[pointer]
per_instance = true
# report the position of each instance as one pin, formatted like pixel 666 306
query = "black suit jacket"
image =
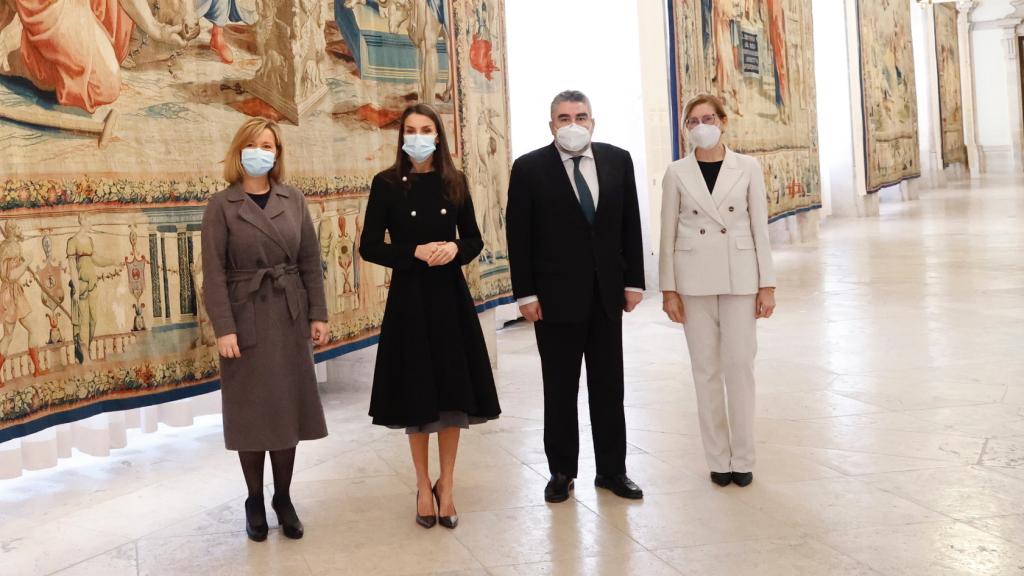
pixel 555 253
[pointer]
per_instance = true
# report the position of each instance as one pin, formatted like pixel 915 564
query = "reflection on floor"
pixel 891 430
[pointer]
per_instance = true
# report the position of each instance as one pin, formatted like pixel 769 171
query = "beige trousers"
pixel 721 334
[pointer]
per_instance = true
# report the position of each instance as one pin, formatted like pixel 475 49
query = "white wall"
pixel 832 74
pixel 992 9
pixel 990 88
pixel 657 111
pixel 575 44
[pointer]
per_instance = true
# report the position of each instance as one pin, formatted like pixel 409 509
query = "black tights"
pixel 281 461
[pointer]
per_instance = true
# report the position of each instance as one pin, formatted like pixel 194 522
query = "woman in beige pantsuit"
pixel 264 293
pixel 717 279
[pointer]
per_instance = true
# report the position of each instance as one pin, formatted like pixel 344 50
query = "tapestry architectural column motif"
pixel 290 41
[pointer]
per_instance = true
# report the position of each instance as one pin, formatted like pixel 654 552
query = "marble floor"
pixel 890 427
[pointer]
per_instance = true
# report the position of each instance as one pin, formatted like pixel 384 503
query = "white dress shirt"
pixel 588 167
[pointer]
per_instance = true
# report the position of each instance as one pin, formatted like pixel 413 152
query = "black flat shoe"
pixel 723 479
pixel 558 488
pixel 742 479
pixel 449 522
pixel 287 517
pixel 256 519
pixel 425 521
pixel 620 485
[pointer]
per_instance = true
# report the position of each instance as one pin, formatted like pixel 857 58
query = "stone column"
pixel 1014 116
pixel 933 173
pixel 847 200
pixel 975 159
pixel 290 41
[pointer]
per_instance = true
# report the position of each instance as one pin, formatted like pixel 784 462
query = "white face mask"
pixel 706 136
pixel 573 138
pixel 419 147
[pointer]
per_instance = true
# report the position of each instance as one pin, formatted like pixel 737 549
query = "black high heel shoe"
pixel 287 517
pixel 256 519
pixel 425 521
pixel 449 522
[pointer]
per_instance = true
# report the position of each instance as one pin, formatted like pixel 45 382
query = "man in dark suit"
pixel 576 253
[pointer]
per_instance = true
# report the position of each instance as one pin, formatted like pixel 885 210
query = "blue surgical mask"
pixel 257 161
pixel 419 147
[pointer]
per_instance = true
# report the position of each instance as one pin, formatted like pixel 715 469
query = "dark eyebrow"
pixel 563 116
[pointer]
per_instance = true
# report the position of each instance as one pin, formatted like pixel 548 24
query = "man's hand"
pixel 531 312
pixel 633 299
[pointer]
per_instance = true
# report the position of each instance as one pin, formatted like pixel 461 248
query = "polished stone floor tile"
pixel 121 561
pixel 932 549
pixel 645 564
pixel 963 492
pixel 690 518
pixel 788 557
pixel 833 504
pixel 541 534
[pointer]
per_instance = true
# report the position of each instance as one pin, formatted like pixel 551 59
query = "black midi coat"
pixel 262 281
pixel 432 356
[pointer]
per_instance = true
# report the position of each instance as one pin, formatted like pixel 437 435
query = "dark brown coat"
pixel 263 282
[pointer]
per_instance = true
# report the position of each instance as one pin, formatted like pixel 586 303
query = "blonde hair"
pixel 249 131
pixel 716 102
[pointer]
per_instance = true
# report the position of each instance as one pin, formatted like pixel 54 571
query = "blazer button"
pixel 732 208
pixel 413 213
pixel 724 230
pixel 703 231
pixel 694 212
pixel 444 211
pixel 405 178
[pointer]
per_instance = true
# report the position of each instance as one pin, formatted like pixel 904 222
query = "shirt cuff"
pixel 527 300
pixel 632 289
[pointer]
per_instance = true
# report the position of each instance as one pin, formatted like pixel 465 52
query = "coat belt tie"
pixel 283 276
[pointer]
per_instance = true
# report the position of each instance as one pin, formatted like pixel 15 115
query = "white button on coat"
pixel 444 211
pixel 413 213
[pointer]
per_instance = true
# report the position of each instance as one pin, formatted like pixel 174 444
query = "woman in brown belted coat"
pixel 264 295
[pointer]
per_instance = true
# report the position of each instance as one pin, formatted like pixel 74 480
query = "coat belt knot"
pixel 283 276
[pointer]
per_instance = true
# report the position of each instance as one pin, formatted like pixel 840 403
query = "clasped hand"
pixel 437 253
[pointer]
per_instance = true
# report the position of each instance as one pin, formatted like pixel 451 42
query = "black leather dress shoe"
pixel 256 519
pixel 742 479
pixel 287 517
pixel 721 478
pixel 558 488
pixel 621 485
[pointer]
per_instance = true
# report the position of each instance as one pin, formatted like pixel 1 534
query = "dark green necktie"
pixel 586 198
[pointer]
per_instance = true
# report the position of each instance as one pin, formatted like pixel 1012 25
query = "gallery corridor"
pixel 890 430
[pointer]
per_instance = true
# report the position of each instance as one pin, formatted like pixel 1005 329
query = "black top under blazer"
pixel 554 253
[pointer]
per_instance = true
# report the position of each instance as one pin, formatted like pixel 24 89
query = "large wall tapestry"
pixel 889 94
pixel 757 55
pixel 114 115
pixel 947 56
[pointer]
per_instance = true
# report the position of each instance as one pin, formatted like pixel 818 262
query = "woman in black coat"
pixel 433 373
